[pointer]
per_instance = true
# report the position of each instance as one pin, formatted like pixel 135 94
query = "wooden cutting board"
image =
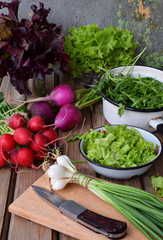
pixel 30 206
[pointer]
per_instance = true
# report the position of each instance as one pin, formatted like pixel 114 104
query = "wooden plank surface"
pixel 25 178
pixel 5 175
pixel 29 205
pixel 15 184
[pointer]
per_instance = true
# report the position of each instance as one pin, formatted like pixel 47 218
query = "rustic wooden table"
pixel 13 185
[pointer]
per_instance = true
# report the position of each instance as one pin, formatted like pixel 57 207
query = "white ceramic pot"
pixel 137 117
pixel 123 173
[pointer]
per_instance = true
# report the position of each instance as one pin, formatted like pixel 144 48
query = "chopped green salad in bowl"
pixel 132 95
pixel 120 151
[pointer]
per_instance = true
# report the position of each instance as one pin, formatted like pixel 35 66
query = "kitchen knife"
pixel 109 227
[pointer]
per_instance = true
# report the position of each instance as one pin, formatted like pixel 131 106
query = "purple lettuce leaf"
pixel 12 8
pixel 31 47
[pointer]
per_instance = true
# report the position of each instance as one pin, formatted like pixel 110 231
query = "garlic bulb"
pixel 61 173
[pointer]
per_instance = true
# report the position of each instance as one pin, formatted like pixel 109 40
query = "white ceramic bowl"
pixel 133 116
pixel 122 173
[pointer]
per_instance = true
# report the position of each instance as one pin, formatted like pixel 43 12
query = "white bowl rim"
pixel 126 107
pixel 127 168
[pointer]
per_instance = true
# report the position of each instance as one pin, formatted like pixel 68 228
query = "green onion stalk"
pixel 142 209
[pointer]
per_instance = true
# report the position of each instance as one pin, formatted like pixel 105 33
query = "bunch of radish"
pixel 30 141
pixel 62 96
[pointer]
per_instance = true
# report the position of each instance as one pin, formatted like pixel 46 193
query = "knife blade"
pixel 111 228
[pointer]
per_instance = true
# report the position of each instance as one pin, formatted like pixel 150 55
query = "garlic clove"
pixel 64 161
pixel 57 171
pixel 51 170
pixel 59 184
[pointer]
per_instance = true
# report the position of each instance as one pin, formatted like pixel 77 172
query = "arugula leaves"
pixel 140 93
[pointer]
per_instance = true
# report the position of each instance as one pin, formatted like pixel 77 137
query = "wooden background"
pixel 12 185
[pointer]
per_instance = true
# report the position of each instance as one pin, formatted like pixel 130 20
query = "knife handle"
pixel 110 227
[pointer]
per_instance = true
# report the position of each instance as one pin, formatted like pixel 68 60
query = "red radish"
pixel 40 156
pixel 50 134
pixel 7 142
pixel 44 110
pixel 38 143
pixel 36 124
pixel 68 117
pixel 13 157
pixel 3 158
pixel 25 157
pixel 22 136
pixel 16 121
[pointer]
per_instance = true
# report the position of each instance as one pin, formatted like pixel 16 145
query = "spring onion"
pixel 142 209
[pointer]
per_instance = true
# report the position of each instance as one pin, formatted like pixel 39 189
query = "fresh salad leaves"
pixel 140 93
pixel 118 146
pixel 90 47
pixel 157 184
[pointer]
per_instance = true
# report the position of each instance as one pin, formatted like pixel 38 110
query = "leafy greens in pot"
pixel 118 147
pixel 140 93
